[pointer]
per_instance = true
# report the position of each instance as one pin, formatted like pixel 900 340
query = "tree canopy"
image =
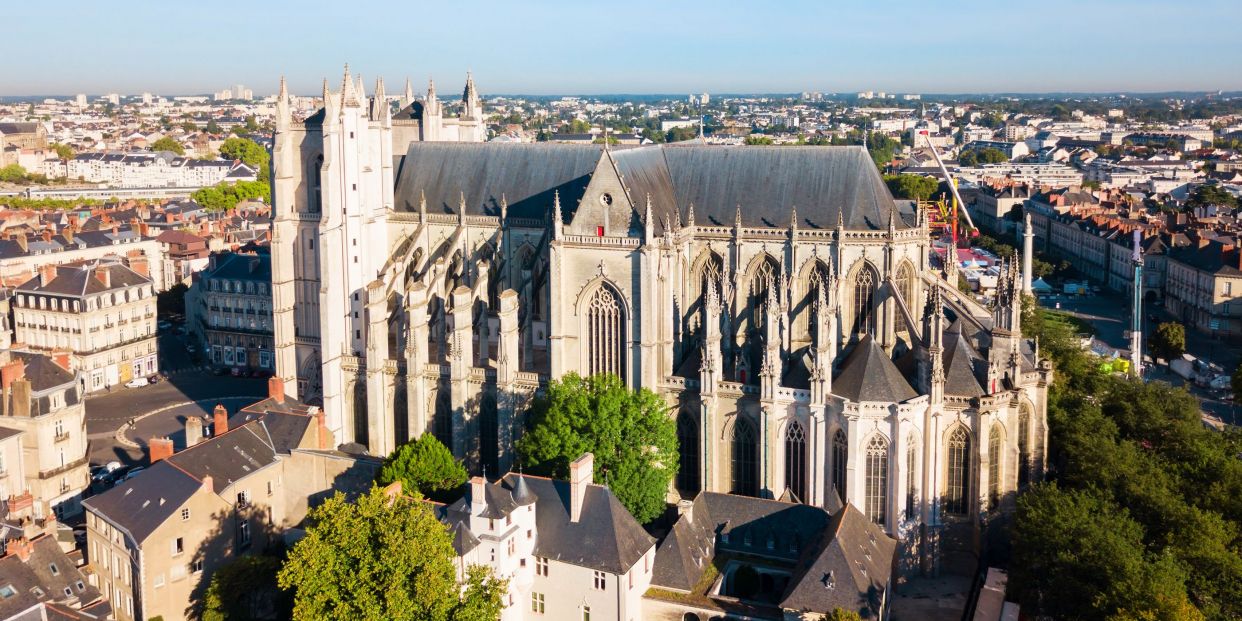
pixel 225 196
pixel 249 152
pixel 1206 195
pixel 246 589
pixel 1169 341
pixel 913 187
pixel 383 558
pixel 1144 515
pixel 633 439
pixel 168 143
pixel 63 151
pixel 424 465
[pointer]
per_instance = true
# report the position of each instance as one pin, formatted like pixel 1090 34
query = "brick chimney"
pixel 47 273
pixel 103 275
pixel 219 420
pixel 581 474
pixel 323 435
pixel 20 547
pixel 276 389
pixel 159 448
pixel 140 265
pixel 68 232
pixel 63 359
pixel 478 491
pixel 14 370
pixel 193 431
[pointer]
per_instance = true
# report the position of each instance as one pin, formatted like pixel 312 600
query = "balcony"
pixel 61 437
pixel 47 474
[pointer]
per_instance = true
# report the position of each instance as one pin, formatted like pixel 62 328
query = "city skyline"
pixel 555 47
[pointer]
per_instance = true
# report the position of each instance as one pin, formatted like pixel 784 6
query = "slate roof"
pixel 43 373
pixel 850 569
pixel 959 364
pixel 605 538
pixel 768 183
pixel 141 504
pixel 237 266
pixel 36 572
pixel 229 457
pixel 869 375
pixel 78 279
pixel 8 432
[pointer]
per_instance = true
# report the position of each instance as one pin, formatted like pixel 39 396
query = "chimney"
pixel 11 372
pixel 47 235
pixel 580 476
pixel 220 420
pixel 686 508
pixel 478 487
pixel 140 265
pixel 276 389
pixel 207 483
pixel 63 359
pixel 326 441
pixel 20 547
pixel 68 233
pixel 193 431
pixel 159 448
pixel 103 275
pixel 47 273
pixel 144 229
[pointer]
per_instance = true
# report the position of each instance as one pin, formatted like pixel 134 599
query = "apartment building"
pixel 155 170
pixel 41 410
pixel 39 581
pixel 156 539
pixel 570 550
pixel 103 311
pixel 1203 285
pixel 22 253
pixel 230 311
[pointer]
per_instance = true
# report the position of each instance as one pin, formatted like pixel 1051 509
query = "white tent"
pixel 1039 287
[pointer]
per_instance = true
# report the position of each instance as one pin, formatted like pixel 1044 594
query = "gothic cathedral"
pixel 778 298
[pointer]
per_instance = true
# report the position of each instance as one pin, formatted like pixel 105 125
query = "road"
pixel 1108 313
pixel 189 380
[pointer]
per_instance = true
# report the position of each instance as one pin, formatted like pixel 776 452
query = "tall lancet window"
pixel 795 460
pixel 905 286
pixel 605 333
pixel 817 281
pixel 877 479
pixel 688 455
pixel 840 452
pixel 1024 445
pixel 996 464
pixel 957 479
pixel 316 197
pixel 864 301
pixel 765 279
pixel 912 451
pixel 745 464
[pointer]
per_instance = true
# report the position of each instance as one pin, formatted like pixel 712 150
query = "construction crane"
pixel 958 204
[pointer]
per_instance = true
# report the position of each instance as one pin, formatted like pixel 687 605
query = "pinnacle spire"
pixel 284 90
pixel 409 93
pixel 737 217
pixel 349 93
pixel 690 216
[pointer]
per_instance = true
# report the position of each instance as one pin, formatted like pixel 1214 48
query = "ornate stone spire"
pixel 690 217
pixel 504 208
pixel 422 206
pixel 408 95
pixel 349 93
pixel 379 103
pixel 432 105
pixel 556 214
pixel 282 107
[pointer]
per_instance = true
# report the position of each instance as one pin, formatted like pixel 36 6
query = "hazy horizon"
pixel 554 47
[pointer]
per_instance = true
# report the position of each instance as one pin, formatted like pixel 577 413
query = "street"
pixel 1108 313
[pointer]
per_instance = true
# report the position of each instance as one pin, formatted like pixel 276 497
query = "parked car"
pixel 155 379
pixel 137 382
pixel 133 473
pixel 163 325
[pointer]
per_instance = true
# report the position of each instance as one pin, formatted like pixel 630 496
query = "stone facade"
pixel 780 300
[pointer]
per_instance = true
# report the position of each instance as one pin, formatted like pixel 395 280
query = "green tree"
pixel 1206 195
pixel 212 126
pixel 249 152
pixel 841 614
pixel 246 589
pixel 633 439
pixel 758 140
pixel 13 173
pixel 189 127
pixel 678 134
pixel 167 143
pixel 1169 341
pixel 63 151
pixel 914 187
pixel 225 196
pixel 382 558
pixel 424 465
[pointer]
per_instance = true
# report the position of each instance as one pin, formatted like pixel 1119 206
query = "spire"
pixel 422 206
pixel 283 94
pixel 649 222
pixel 380 102
pixel 461 208
pixel 556 214
pixel 737 217
pixel 409 93
pixel 282 106
pixel 432 105
pixel 793 218
pixel 690 217
pixel 362 91
pixel 504 208
pixel 840 219
pixel 892 223
pixel 329 103
pixel 349 92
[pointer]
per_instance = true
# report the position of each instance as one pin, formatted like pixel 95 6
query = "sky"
pixel 541 47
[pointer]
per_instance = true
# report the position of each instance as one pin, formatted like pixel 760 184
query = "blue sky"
pixel 629 46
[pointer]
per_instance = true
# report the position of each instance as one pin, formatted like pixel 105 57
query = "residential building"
pixel 569 550
pixel 102 311
pixel 186 253
pixel 155 170
pixel 22 254
pixel 41 398
pixel 38 581
pixel 1203 285
pixel 230 310
pixel 156 539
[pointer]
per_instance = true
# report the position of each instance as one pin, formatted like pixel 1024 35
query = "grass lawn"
pixel 1074 324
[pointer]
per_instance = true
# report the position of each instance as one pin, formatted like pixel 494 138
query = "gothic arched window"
pixel 817 279
pixel 840 452
pixel 605 333
pixel 795 460
pixel 912 452
pixel 316 198
pixel 765 279
pixel 904 284
pixel 1024 445
pixel 688 455
pixel 864 301
pixel 708 271
pixel 957 483
pixel 745 464
pixel 877 479
pixel 996 464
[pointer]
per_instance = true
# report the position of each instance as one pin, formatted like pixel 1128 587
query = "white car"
pixel 137 382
